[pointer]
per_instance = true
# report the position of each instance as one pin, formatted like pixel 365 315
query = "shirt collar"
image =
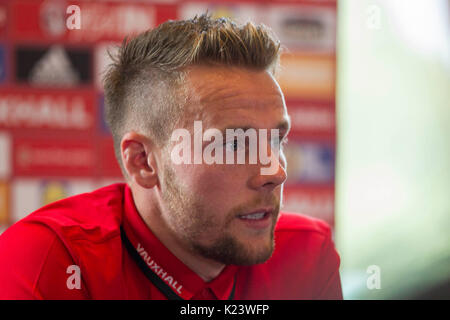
pixel 182 280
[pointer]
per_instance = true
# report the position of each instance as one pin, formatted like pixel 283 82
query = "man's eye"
pixel 235 145
pixel 232 145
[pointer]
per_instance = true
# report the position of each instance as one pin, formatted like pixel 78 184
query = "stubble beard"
pixel 189 219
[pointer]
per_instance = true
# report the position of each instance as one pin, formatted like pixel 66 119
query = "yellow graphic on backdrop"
pixel 53 191
pixel 4 203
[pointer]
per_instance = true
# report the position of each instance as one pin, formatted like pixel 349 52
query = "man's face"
pixel 227 212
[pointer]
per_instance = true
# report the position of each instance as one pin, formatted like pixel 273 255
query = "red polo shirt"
pixel 85 238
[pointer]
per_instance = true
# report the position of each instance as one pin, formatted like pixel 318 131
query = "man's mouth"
pixel 256 215
pixel 259 218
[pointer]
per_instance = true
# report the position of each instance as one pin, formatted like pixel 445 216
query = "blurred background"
pixel 367 85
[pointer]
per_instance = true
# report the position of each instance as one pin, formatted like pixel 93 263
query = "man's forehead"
pixel 213 85
pixel 233 97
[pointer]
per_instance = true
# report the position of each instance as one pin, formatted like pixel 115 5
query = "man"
pixel 201 228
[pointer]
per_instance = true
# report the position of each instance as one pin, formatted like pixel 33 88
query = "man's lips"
pixel 256 213
pixel 258 218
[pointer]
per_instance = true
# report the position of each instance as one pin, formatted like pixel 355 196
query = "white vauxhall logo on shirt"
pixel 158 269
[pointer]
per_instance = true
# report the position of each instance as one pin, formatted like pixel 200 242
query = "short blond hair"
pixel 141 84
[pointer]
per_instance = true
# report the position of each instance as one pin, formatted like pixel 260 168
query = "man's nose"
pixel 271 178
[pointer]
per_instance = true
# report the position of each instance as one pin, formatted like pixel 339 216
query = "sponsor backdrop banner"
pixel 53 139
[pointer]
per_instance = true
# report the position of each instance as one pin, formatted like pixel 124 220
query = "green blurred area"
pixel 393 161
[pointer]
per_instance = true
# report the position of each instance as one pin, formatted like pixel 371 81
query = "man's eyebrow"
pixel 284 125
pixel 244 128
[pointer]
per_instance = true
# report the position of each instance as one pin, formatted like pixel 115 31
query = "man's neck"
pixel 206 269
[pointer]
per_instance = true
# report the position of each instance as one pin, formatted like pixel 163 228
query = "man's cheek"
pixel 216 175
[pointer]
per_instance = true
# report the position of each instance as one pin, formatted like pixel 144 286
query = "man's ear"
pixel 139 159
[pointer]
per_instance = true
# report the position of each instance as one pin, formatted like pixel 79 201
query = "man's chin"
pixel 231 251
pixel 257 258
